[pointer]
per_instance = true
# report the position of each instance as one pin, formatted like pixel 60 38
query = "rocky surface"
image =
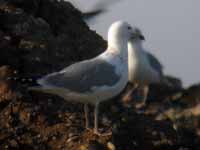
pixel 42 36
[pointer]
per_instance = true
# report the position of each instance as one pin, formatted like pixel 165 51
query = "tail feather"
pixel 35 88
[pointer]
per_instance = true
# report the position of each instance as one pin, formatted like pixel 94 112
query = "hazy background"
pixel 171 29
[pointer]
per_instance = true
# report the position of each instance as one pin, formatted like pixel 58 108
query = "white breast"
pixel 140 70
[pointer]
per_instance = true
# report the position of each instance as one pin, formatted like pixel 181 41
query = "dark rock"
pixel 95 145
pixel 188 138
pixel 140 133
pixel 50 39
pixel 192 94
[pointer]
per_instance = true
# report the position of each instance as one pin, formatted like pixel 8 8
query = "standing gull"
pixel 144 68
pixel 95 80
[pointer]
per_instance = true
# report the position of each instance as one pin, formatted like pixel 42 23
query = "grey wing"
pixel 154 62
pixel 82 76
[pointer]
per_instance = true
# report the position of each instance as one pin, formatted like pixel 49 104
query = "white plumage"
pixel 144 68
pixel 140 69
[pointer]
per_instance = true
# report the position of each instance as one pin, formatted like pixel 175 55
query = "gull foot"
pixel 89 129
pixel 109 133
pixel 127 100
pixel 140 105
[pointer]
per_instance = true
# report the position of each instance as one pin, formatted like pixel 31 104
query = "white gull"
pixel 95 80
pixel 144 68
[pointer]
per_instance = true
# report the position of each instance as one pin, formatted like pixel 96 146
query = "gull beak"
pixel 137 36
pixel 141 37
pixel 133 36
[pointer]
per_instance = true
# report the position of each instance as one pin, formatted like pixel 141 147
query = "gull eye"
pixel 129 28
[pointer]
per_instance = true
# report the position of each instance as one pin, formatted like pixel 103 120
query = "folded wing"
pixel 83 76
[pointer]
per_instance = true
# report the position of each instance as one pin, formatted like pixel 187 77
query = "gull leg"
pixel 86 116
pixel 96 113
pixel 144 89
pixel 96 121
pixel 128 97
pixel 145 93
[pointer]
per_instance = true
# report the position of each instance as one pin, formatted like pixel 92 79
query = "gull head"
pixel 119 33
pixel 137 35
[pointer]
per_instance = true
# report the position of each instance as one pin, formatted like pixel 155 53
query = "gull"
pixel 89 13
pixel 144 68
pixel 94 80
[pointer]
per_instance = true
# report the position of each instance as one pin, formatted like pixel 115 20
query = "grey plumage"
pixel 89 74
pixel 155 64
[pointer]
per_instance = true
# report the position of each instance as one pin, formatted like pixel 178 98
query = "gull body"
pixel 141 70
pixel 144 68
pixel 95 80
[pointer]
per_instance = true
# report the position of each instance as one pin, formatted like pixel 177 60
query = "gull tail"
pixel 35 88
pixel 171 82
pixel 38 86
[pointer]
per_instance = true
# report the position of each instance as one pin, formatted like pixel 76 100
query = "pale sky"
pixel 171 29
